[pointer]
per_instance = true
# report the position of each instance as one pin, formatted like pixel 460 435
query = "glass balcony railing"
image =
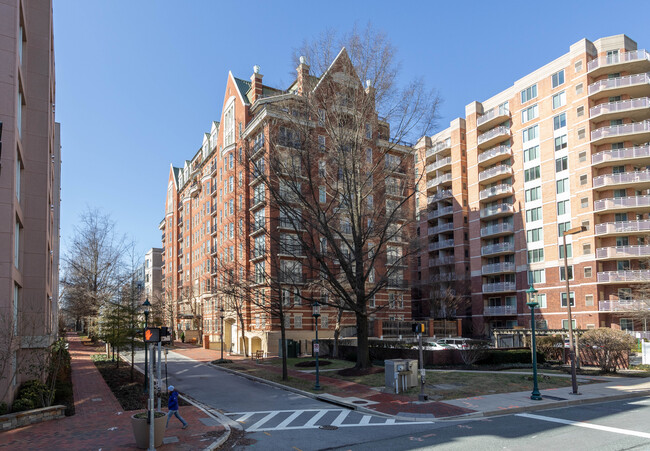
pixel 608 228
pixel 621 154
pixel 441 244
pixel 638 275
pixel 441 261
pixel 498 228
pixel 622 202
pixel 499 310
pixel 504 188
pixel 624 305
pixel 438 164
pixel 441 228
pixel 622 178
pixel 443 277
pixel 502 169
pixel 499 287
pixel 441 194
pixel 620 130
pixel 439 147
pixel 496 209
pixel 623 252
pixel 441 212
pixel 444 178
pixel 497 248
pixel 498 267
pixel 624 57
pixel 619 106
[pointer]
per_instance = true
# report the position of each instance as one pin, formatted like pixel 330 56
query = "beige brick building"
pixel 564 146
pixel 29 188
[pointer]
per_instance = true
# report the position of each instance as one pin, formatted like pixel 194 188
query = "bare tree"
pixel 446 302
pixel 92 266
pixel 339 176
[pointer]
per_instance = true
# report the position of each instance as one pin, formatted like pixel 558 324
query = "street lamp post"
pixel 531 295
pixel 221 312
pixel 316 314
pixel 572 354
pixel 146 306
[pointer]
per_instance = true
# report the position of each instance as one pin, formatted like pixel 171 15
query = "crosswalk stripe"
pixel 245 417
pixel 342 416
pixel 365 419
pixel 288 421
pixel 262 421
pixel 316 417
pixel 586 425
pixel 390 421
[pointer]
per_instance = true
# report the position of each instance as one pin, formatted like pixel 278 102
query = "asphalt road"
pixel 276 419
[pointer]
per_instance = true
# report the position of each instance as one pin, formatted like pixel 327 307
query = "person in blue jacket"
pixel 172 404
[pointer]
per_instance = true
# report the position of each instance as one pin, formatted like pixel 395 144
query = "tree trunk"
pixel 283 348
pixel 363 353
pixel 337 333
pixel 241 322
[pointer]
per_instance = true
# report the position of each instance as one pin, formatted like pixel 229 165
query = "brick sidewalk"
pixel 99 422
pixel 385 402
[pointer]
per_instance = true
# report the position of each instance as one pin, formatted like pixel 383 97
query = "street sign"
pixel 151 335
pixel 316 347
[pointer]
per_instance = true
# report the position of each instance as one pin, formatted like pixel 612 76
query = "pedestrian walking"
pixel 172 405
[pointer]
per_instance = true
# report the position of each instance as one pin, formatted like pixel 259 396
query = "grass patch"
pixel 300 363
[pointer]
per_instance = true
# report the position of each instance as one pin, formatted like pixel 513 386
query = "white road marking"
pixel 342 416
pixel 283 411
pixel 315 418
pixel 262 421
pixel 585 425
pixel 365 419
pixel 245 417
pixel 288 421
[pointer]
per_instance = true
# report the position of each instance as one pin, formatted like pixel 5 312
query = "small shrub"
pixel 35 391
pixel 608 346
pixel 4 408
pixel 22 404
pixel 551 346
pixel 501 357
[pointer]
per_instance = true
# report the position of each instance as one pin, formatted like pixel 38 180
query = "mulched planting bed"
pixel 360 372
pixel 312 363
pixel 129 393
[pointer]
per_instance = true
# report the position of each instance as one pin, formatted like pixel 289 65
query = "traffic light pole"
pixel 421 396
pixel 159 374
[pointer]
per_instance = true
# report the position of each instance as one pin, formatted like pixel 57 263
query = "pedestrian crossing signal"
pixel 417 328
pixel 151 335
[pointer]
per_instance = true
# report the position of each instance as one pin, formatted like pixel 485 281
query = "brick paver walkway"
pixel 99 422
pixel 386 402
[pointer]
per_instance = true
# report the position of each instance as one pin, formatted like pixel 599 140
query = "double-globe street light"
pixel 146 306
pixel 316 314
pixel 572 354
pixel 531 297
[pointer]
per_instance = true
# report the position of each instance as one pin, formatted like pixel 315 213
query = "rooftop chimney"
pixel 256 84
pixel 303 76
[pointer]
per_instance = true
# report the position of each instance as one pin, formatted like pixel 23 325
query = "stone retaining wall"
pixel 19 419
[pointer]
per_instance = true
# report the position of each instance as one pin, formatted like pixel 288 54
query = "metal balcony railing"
pixel 498 267
pixel 490 114
pixel 496 209
pixel 623 252
pixel 503 188
pixel 619 82
pixel 441 212
pixel 621 105
pixel 621 154
pixel 497 248
pixel 498 287
pixel 494 152
pixel 438 180
pixel 441 194
pixel 624 57
pixel 622 202
pixel 438 147
pixel 441 228
pixel 638 275
pixel 619 130
pixel 438 164
pixel 621 178
pixel 624 305
pixel 502 169
pixel 623 227
pixel 441 261
pixel 441 244
pixel 499 310
pixel 498 228
pixel 496 131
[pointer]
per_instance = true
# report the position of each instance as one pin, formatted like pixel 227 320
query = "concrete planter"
pixel 141 429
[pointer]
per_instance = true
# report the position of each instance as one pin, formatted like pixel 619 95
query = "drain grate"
pixel 329 427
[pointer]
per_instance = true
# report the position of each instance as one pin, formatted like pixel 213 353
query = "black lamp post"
pixel 531 296
pixel 572 354
pixel 146 306
pixel 221 312
pixel 316 314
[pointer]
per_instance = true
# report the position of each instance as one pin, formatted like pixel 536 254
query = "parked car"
pixel 455 343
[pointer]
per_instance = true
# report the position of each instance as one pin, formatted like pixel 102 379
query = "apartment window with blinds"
pixel 533 194
pixel 562 186
pixel 560 142
pixel 568 248
pixel 559 121
pixel 536 276
pixel 535 255
pixel 17 234
pixel 532 174
pixel 534 235
pixel 534 214
pixel 561 164
pixel 559 100
pixel 557 79
pixel 530 133
pixel 563 207
pixel 529 93
pixel 531 153
pixel 529 113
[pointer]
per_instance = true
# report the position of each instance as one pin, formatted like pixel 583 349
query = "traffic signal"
pixel 418 328
pixel 151 335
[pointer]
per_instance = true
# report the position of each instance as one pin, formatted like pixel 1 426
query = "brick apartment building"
pixel 29 188
pixel 222 223
pixel 565 146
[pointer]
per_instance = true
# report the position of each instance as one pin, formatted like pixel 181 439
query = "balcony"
pixel 444 178
pixel 439 147
pixel 496 268
pixel 623 203
pixel 628 276
pixel 498 229
pixel 213 230
pixel 499 310
pixel 494 136
pixel 495 173
pixel 627 227
pixel 623 305
pixel 632 61
pixel 213 209
pixel 499 248
pixel 438 164
pixel 440 195
pixel 635 109
pixel 441 261
pixel 503 190
pixel 491 118
pixel 637 132
pixel 441 228
pixel 394 190
pixel 495 154
pixel 636 180
pixel 632 85
pixel 443 277
pixel 213 250
pixel 623 252
pixel 398 283
pixel 499 287
pixel 180 237
pixel 442 244
pixel 444 211
pixel 631 155
pixel 497 210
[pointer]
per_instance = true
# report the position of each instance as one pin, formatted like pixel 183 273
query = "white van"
pixel 456 343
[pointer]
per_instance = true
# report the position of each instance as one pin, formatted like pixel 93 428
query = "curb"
pixel 225 421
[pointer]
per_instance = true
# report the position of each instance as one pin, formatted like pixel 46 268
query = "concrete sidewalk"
pixel 371 400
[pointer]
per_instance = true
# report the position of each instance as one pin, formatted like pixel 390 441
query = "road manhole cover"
pixel 329 427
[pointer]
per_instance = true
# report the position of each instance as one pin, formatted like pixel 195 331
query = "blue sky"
pixel 139 82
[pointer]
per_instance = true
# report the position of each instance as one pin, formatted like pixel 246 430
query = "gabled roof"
pixel 176 172
pixel 243 86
